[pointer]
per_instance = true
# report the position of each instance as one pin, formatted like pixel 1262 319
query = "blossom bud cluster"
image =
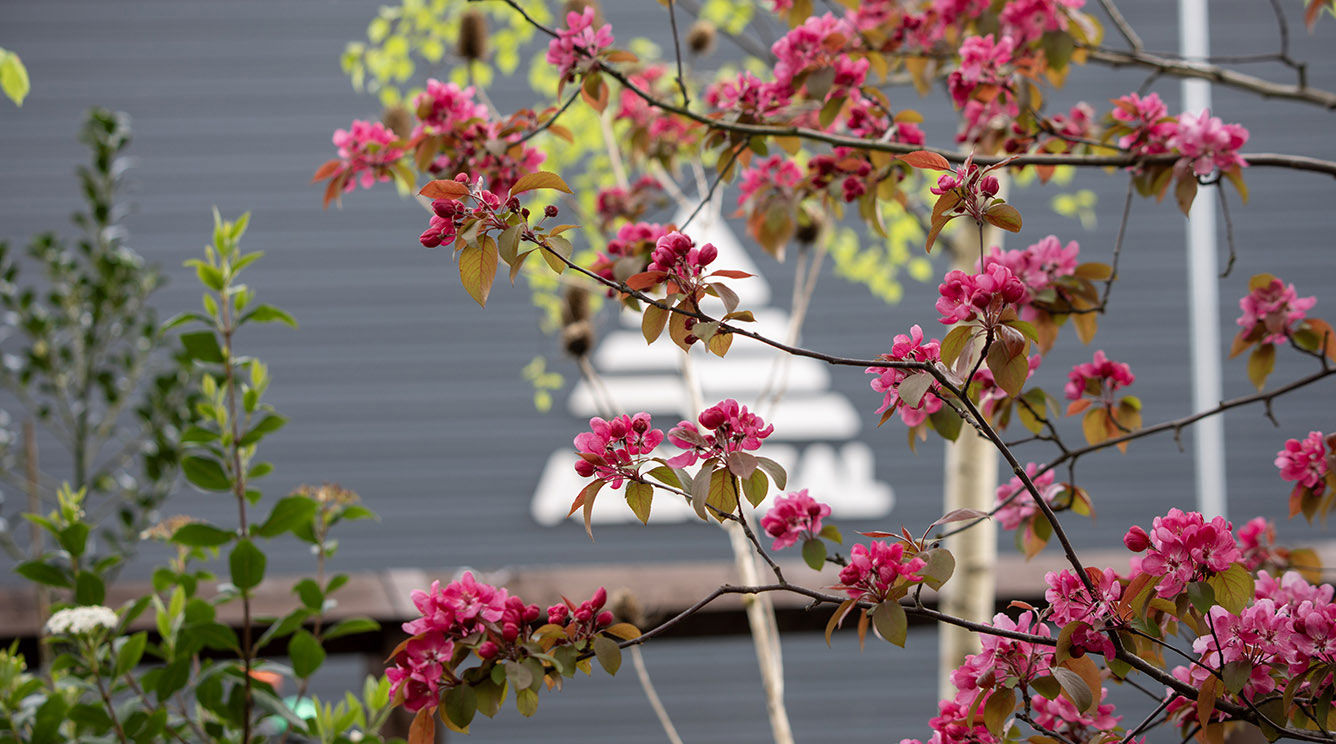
pixel 449 214
pixel 732 429
pixel 794 517
pixel 677 255
pixel 875 568
pixel 981 296
pixel 1038 266
pixel 612 451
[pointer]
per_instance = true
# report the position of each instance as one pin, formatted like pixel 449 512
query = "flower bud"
pixel 532 613
pixel 708 253
pixel 509 632
pixel 583 468
pixel 472 36
pixel 583 614
pixel 989 186
pixel 599 599
pixel 550 210
pixel 488 649
pixel 558 614
pixel 604 619
pixel 1136 539
pixel 712 418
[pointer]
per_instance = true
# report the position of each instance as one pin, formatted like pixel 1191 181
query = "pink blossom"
pixel 794 517
pixel 612 450
pixel 1016 503
pixel 1148 122
pixel 1256 540
pixel 1039 265
pixel 749 95
pixel 1184 547
pixel 634 240
pixel 1028 20
pixel 1207 143
pixel 1070 602
pixel 982 62
pixel 1061 715
pixel 1304 462
pixel 979 296
pixel 445 106
pixel 1098 378
pixel 907 348
pixel 775 171
pixel 578 43
pixel 1273 311
pixel 734 429
pixel 366 149
pixel 874 568
pixel 817 43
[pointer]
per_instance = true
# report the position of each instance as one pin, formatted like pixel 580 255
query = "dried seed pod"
pixel 577 333
pixel 701 37
pixel 473 36
pixel 398 120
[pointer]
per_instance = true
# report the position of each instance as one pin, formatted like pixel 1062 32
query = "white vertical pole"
pixel 1203 291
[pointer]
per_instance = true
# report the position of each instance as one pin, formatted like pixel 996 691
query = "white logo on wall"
pixel 814 426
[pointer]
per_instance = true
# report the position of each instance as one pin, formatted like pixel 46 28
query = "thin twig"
pixel 677 49
pixel 1229 231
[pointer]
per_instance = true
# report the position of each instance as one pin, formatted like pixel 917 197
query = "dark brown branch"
pixel 1216 74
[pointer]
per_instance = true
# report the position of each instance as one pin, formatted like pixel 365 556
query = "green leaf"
pixel 247 564
pixel 352 626
pixel 832 533
pixel 947 423
pixel 306 653
pixel 203 346
pixel 1260 364
pixel 289 513
pixel 1237 673
pixel 89 589
pixel 130 652
pixel 814 553
pixel 539 180
pixel 310 594
pixel 461 703
pixel 268 424
pixel 206 473
pixel 44 573
pixel 939 569
pixel 891 622
pixel 723 493
pixel 202 535
pixel 477 268
pixel 1202 596
pixel 1233 588
pixel 527 702
pixel 638 497
pixel 755 487
pixel 608 653
pixel 1074 687
pixel 13 77
pixel 775 471
pixel 74 538
pixel 954 343
pixel 998 709
pixel 268 314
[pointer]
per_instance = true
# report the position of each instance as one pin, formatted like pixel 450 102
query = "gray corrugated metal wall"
pixel 396 387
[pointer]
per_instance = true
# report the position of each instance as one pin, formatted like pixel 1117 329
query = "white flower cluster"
pixel 77 620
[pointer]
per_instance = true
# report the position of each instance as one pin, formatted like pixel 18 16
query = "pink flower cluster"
pixel 1002 658
pixel 874 568
pixel 1015 503
pixel 979 296
pixel 1070 602
pixel 1183 547
pixel 734 428
pixel 821 41
pixel 1061 716
pixel 749 95
pixel 367 151
pixel 444 106
pixel 973 187
pixel 634 240
pixel 1256 543
pixel 613 450
pixel 910 348
pixel 1098 378
pixel 614 203
pixel 1028 20
pixel 1208 144
pixel 677 256
pixel 1276 308
pixel 794 517
pixel 982 62
pixel 1306 462
pixel 1040 265
pixel 1148 124
pixel 449 614
pixel 776 172
pixel 578 44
